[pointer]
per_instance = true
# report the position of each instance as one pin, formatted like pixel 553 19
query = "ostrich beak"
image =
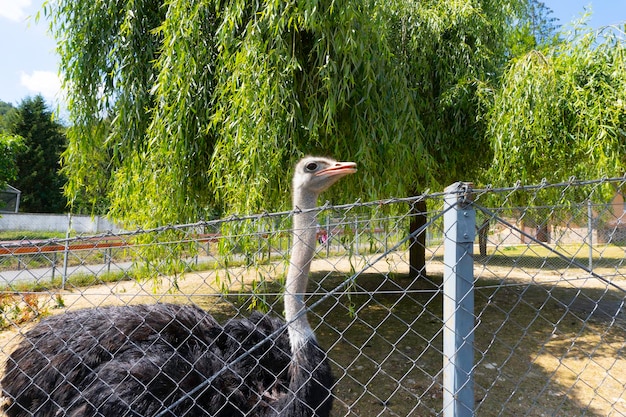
pixel 339 169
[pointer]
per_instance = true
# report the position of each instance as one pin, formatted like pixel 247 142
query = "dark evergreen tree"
pixel 38 166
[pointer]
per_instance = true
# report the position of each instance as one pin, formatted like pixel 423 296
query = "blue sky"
pixel 30 65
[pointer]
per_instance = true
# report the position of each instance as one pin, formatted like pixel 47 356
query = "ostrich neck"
pixel 302 251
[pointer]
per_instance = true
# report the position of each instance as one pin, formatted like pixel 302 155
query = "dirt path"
pixel 385 338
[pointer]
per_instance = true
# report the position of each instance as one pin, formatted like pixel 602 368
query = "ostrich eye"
pixel 311 166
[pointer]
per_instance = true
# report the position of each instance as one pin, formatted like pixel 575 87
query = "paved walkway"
pixel 42 275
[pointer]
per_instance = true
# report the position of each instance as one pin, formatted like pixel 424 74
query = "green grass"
pixel 30 235
pixel 537 256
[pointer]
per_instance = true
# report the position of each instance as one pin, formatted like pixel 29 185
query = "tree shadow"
pixel 539 349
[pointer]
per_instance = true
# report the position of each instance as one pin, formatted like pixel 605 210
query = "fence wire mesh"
pixel 549 282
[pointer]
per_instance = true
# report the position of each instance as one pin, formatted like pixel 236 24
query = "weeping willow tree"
pixel 196 106
pixel 561 112
pixel 185 109
pixel 189 105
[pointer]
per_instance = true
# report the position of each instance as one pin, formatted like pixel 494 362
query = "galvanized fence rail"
pixel 520 311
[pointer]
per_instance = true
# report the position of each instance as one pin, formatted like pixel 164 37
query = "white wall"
pixel 55 223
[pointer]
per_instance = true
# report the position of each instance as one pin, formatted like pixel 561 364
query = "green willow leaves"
pixel 561 112
pixel 184 109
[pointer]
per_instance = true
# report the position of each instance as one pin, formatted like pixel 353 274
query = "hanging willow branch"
pixel 186 109
pixel 561 113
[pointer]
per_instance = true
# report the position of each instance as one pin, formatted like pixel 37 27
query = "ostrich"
pixel 177 360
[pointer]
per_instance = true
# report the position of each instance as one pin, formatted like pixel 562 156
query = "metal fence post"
pixel 458 301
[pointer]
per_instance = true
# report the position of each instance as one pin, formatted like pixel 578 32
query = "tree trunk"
pixel 483 232
pixel 417 251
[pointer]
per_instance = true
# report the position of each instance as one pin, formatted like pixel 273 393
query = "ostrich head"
pixel 314 175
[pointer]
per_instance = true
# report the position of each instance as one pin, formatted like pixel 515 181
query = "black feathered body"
pixel 138 360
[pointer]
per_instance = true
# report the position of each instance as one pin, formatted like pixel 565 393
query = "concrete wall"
pixel 55 223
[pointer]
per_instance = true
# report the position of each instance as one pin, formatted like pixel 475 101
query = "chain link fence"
pixel 547 291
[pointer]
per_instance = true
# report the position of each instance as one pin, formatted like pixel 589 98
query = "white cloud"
pixel 46 83
pixel 14 9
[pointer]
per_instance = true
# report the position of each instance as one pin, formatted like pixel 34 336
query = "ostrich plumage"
pixel 155 360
